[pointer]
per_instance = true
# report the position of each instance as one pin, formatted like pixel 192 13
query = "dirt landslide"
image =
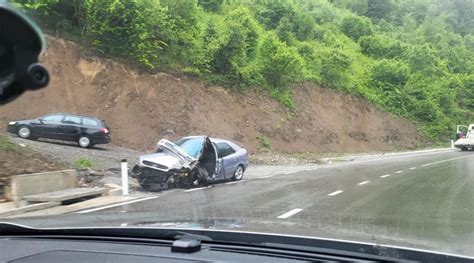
pixel 142 108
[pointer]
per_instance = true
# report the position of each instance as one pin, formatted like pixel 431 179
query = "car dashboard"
pixel 20 244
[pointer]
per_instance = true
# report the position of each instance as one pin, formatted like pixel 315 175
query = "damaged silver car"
pixel 190 161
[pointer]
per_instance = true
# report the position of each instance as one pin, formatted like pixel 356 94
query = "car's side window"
pixel 72 120
pixel 90 122
pixel 224 149
pixel 52 118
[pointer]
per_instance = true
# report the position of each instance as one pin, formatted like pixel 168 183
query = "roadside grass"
pixel 8 146
pixel 83 163
pixel 263 141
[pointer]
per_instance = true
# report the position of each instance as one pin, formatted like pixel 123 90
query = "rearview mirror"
pixel 21 42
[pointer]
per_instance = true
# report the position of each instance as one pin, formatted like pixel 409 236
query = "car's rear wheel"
pixel 84 141
pixel 464 149
pixel 24 132
pixel 238 174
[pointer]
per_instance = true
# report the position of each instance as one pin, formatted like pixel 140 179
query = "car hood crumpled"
pixel 162 158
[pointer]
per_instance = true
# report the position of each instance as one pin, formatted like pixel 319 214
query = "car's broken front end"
pixel 173 166
pixel 152 179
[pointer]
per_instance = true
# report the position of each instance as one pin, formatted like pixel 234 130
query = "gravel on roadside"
pixel 102 157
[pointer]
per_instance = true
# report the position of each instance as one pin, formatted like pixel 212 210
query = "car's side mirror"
pixel 21 42
pixel 41 120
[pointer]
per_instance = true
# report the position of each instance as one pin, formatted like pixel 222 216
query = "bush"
pixel 388 74
pixel 264 142
pixel 127 28
pixel 83 163
pixel 356 27
pixel 6 145
pixel 380 46
pixel 280 64
pixel 334 66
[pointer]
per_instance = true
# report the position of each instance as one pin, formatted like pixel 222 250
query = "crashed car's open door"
pixel 208 159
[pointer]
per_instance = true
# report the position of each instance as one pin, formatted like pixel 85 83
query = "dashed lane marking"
pixel 412 168
pixel 399 172
pixel 335 193
pixel 385 176
pixel 364 182
pixel 290 213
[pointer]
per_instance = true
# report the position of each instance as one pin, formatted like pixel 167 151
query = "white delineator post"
pixel 452 144
pixel 124 167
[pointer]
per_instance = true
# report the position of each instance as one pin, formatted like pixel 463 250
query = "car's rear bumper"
pixel 101 140
pixel 246 164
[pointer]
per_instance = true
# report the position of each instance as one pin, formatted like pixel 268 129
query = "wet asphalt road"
pixel 421 201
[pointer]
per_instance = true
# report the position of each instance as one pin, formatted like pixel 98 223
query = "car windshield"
pixel 336 119
pixel 192 146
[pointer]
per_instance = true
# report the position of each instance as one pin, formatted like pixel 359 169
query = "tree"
pixel 280 63
pixel 126 28
pixel 235 47
pixel 423 59
pixel 211 5
pixel 381 46
pixel 389 74
pixel 357 6
pixel 465 94
pixel 462 12
pixel 334 66
pixel 355 27
pixel 469 42
pixel 272 11
pixel 379 9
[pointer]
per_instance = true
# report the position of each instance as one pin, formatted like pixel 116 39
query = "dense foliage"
pixel 413 58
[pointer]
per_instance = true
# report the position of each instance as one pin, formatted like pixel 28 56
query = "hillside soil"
pixel 142 108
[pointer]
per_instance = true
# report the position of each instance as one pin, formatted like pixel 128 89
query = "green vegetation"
pixel 263 141
pixel 6 145
pixel 83 163
pixel 413 58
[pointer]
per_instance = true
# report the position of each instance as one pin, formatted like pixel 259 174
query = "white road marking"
pixel 263 177
pixel 290 213
pixel 197 189
pixel 335 193
pixel 364 182
pixel 428 164
pixel 236 182
pixel 402 155
pixel 385 176
pixel 115 205
pixel 124 224
pixel 399 172
pixel 412 168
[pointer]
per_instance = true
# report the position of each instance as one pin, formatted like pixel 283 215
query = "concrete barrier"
pixel 38 183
